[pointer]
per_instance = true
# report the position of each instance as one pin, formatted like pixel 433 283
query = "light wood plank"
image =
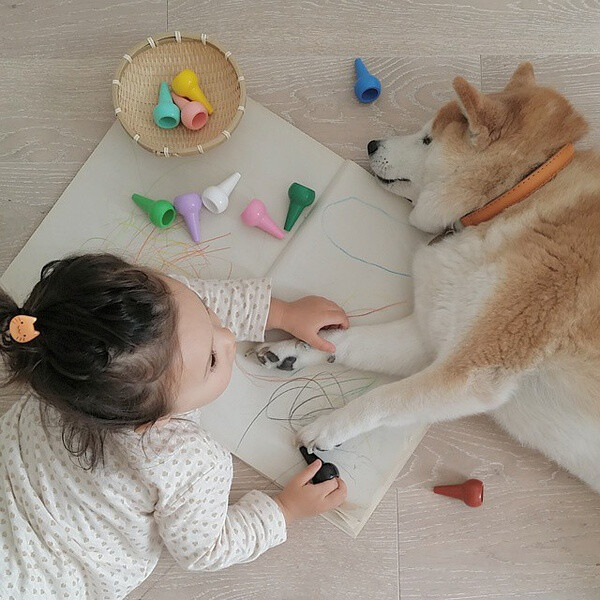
pixel 394 28
pixel 47 135
pixel 81 29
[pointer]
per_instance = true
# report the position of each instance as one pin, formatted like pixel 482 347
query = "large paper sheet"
pixel 356 248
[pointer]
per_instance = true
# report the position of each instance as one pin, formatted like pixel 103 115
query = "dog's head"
pixel 477 147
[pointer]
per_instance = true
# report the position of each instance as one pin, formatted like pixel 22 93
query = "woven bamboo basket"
pixel 138 77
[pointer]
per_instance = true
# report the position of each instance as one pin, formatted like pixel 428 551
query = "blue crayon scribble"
pixel 346 252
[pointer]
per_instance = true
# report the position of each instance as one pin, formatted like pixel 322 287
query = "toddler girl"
pixel 104 461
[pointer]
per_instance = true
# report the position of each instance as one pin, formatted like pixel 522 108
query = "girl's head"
pixel 119 347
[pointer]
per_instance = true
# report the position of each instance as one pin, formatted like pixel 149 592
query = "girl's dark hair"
pixel 105 350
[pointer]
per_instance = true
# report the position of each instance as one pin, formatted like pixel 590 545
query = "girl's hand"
pixel 305 317
pixel 300 498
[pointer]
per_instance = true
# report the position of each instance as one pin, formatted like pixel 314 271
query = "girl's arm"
pixel 203 533
pixel 196 524
pixel 242 305
pixel 246 307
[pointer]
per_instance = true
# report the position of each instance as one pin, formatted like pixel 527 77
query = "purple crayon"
pixel 188 206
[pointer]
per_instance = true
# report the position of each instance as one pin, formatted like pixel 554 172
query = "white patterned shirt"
pixel 70 533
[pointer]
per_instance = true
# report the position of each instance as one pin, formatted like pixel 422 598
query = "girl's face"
pixel 207 351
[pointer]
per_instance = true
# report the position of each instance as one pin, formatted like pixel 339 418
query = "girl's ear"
pixel 484 115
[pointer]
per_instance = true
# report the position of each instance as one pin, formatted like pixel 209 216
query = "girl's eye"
pixel 213 361
pixel 427 140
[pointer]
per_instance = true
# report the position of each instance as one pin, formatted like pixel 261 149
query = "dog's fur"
pixel 507 313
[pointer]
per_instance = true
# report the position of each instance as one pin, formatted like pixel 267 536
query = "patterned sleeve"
pixel 242 305
pixel 194 520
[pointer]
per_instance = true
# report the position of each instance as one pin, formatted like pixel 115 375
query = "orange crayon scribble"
pixel 369 311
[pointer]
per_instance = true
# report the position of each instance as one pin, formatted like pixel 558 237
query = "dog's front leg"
pixel 394 348
pixel 437 393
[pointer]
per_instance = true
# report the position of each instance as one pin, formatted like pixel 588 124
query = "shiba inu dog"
pixel 506 296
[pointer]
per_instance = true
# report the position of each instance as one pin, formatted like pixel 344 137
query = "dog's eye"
pixel 427 140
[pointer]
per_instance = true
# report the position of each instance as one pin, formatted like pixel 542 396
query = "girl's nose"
pixel 230 337
pixel 231 346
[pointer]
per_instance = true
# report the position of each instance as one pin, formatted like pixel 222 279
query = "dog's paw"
pixel 324 433
pixel 289 355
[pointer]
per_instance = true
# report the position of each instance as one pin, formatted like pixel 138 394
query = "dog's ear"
pixel 484 115
pixel 523 76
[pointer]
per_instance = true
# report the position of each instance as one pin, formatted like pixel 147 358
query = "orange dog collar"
pixel 542 175
pixel 22 330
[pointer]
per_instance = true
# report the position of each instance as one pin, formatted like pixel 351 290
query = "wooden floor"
pixel 538 534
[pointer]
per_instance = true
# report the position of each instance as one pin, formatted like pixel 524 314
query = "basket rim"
pixel 179 36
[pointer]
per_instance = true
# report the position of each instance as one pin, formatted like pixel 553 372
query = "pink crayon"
pixel 255 215
pixel 193 114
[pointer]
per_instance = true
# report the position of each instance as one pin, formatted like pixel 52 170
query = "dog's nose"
pixel 372 146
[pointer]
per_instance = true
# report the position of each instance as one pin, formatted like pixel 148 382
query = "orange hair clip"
pixel 22 330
